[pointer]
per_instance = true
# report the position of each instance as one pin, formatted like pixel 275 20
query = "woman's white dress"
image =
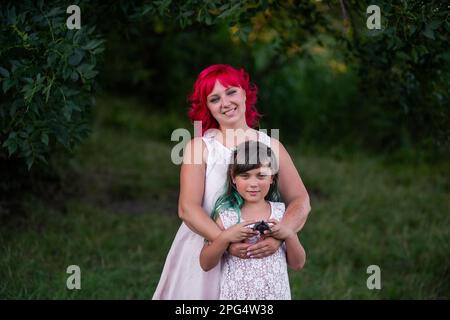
pixel 182 277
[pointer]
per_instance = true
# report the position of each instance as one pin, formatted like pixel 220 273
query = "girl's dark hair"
pixel 247 156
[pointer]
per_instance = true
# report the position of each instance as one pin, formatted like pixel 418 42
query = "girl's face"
pixel 253 185
pixel 227 105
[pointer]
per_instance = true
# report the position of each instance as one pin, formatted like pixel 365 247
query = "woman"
pixel 224 101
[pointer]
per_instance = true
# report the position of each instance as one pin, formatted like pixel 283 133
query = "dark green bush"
pixel 404 73
pixel 47 79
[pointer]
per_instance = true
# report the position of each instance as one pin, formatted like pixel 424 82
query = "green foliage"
pixel 311 99
pixel 187 13
pixel 47 78
pixel 47 73
pixel 404 72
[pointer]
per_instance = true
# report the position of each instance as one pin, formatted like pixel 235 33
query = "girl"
pixel 222 99
pixel 250 185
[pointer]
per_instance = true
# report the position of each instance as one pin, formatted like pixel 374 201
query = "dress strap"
pixel 263 138
pixel 278 209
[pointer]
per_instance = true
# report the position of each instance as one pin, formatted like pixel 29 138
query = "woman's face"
pixel 227 105
pixel 253 185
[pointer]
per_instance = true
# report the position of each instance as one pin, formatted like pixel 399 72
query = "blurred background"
pixel 86 117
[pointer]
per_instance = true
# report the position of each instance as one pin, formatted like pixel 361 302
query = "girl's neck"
pixel 255 210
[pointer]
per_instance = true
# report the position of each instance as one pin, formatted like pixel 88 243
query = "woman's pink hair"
pixel 227 76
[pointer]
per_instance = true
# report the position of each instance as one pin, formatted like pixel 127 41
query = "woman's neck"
pixel 230 136
pixel 237 127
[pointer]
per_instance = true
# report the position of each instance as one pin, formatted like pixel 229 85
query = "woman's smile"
pixel 230 112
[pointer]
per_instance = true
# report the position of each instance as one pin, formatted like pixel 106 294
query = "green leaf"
pixel 77 36
pixel 402 55
pixel 12 147
pixel 7 84
pixel 42 158
pixel 76 57
pixel 428 33
pixel 90 74
pixel 433 25
pixel 188 13
pixel 54 12
pixel 98 50
pixel 85 67
pixel 29 162
pixel 414 55
pixel 67 112
pixel 44 138
pixel 51 59
pixel 74 76
pixel 13 110
pixel 229 12
pixel 66 72
pixel 4 72
pixel 14 65
pixel 93 44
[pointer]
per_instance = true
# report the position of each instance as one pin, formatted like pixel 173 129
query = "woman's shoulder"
pixel 273 142
pixel 279 149
pixel 195 151
pixel 195 142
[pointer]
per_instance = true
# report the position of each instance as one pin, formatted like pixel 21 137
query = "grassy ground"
pixel 117 218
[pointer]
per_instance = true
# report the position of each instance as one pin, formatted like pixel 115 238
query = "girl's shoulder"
pixel 229 217
pixel 278 209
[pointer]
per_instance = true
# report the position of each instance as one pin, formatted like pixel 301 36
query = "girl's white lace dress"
pixel 255 279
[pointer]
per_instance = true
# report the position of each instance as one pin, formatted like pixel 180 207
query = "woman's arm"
pixel 192 187
pixel 292 190
pixel 295 253
pixel 295 197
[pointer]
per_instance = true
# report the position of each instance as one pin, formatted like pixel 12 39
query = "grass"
pixel 117 218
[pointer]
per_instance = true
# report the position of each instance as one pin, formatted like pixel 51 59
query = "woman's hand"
pixel 278 231
pixel 264 248
pixel 239 249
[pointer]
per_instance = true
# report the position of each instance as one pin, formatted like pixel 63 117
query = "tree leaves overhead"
pixel 42 63
pixel 48 73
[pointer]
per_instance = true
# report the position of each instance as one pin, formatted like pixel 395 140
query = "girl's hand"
pixel 239 232
pixel 264 248
pixel 278 230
